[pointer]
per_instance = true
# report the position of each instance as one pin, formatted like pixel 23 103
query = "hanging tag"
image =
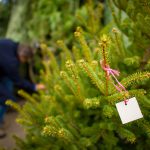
pixel 129 112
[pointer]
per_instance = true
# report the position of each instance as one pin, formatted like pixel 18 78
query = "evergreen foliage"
pixel 77 111
pixel 132 18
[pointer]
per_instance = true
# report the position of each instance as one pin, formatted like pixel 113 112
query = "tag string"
pixel 114 73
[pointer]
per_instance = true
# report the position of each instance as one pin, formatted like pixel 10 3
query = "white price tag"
pixel 129 112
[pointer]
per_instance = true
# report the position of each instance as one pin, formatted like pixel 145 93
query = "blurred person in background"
pixel 11 55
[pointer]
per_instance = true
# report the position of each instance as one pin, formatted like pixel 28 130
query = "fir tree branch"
pixel 27 96
pixel 55 129
pixel 91 74
pixel 120 51
pixel 72 70
pixel 120 96
pixel 140 76
pixel 128 135
pixel 70 83
pixel 85 48
pixel 14 105
pixel 104 43
pixel 65 49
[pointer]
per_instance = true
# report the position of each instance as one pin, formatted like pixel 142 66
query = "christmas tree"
pixel 77 111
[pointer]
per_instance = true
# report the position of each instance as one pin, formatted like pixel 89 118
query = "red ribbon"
pixel 114 73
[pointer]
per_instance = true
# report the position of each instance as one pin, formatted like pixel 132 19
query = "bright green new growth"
pixel 75 112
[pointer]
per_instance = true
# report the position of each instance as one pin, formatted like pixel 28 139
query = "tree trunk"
pixel 17 27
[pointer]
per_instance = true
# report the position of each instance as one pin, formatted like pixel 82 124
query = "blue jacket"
pixel 9 65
